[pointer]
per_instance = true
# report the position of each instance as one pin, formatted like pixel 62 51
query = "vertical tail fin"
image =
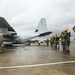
pixel 42 27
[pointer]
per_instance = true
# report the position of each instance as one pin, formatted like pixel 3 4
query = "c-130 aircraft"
pixel 10 35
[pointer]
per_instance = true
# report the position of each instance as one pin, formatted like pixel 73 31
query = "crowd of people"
pixel 65 40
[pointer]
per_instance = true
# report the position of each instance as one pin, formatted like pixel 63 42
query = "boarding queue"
pixel 65 40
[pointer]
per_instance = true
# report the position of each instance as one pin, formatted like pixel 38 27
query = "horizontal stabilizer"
pixel 44 34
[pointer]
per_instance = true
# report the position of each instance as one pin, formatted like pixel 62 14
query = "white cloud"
pixel 25 15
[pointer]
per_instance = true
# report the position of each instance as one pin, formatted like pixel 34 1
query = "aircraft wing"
pixel 4 24
pixel 5 28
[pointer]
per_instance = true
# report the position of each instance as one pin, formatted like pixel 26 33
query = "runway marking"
pixel 37 65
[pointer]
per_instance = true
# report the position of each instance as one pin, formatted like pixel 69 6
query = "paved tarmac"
pixel 37 60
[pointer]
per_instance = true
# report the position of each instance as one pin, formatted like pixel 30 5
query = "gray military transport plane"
pixel 10 35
